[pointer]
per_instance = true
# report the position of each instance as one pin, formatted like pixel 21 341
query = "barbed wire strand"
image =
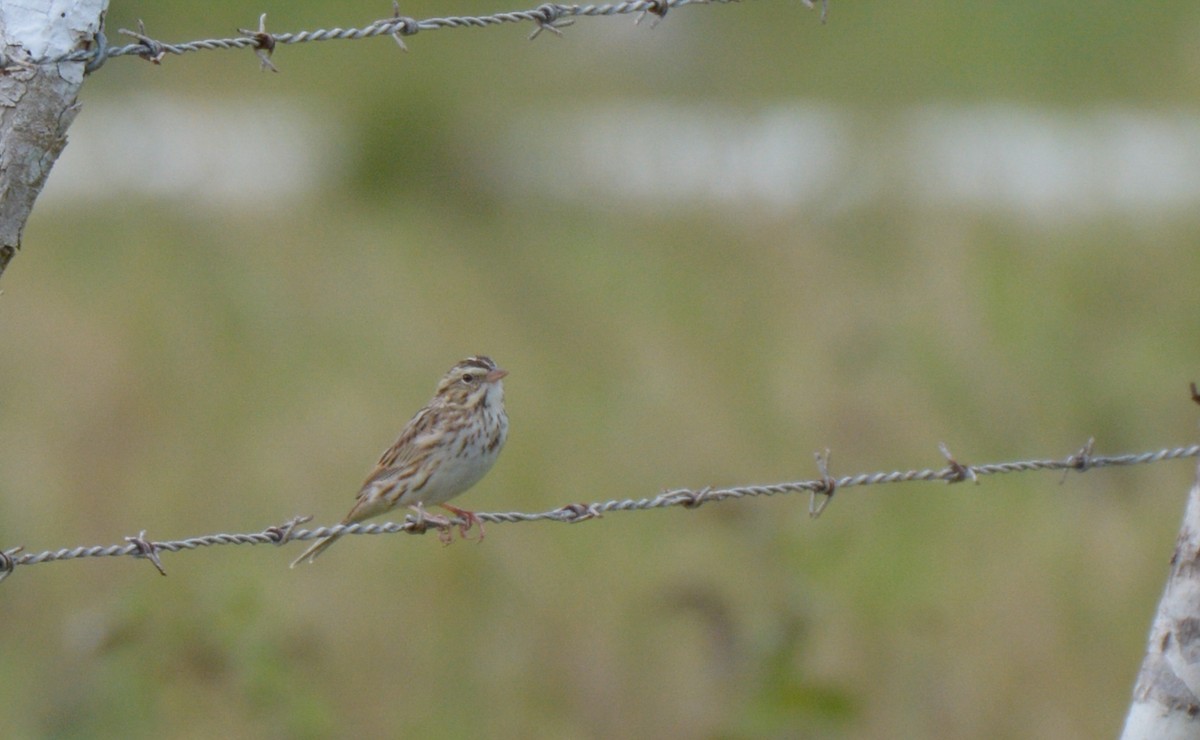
pixel 825 486
pixel 552 17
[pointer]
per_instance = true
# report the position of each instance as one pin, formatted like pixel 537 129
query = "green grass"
pixel 189 371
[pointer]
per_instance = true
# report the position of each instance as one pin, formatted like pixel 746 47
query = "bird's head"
pixel 472 381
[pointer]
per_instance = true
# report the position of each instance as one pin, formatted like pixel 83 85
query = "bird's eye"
pixel 468 378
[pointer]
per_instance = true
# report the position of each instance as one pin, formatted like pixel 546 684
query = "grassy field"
pixel 187 368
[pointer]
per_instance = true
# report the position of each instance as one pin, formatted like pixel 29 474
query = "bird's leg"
pixel 469 520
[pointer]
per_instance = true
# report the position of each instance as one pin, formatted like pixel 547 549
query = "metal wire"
pixel 826 486
pixel 546 17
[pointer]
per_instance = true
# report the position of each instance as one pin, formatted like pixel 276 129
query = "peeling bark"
pixel 37 101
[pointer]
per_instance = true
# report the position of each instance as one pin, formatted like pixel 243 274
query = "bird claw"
pixel 469 520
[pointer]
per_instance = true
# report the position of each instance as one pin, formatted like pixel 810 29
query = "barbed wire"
pixel 552 17
pixel 821 491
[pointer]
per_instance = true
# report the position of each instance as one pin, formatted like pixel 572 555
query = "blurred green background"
pixel 245 283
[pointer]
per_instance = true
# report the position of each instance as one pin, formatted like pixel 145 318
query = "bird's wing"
pixel 402 465
pixel 415 440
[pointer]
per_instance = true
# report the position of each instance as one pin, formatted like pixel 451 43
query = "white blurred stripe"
pixel 1022 161
pixel 217 154
pixel 1035 163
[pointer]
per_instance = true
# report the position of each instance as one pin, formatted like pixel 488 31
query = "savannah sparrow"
pixel 442 451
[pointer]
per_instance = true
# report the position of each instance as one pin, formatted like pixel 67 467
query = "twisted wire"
pixel 547 17
pixel 953 472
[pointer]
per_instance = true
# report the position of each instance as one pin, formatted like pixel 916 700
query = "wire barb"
pixel 1081 461
pixel 826 486
pixel 958 471
pixel 694 499
pixel 548 17
pixel 143 548
pixel 657 8
pixel 405 25
pixel 421 521
pixel 6 561
pixel 575 513
pixel 264 43
pixel 151 50
pixel 282 534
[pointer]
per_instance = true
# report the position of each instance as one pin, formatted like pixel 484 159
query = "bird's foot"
pixel 469 520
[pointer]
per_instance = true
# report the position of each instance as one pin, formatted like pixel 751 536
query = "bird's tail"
pixel 317 548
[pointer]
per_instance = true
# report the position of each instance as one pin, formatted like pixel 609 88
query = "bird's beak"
pixel 495 375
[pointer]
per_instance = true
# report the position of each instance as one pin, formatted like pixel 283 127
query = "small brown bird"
pixel 442 451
